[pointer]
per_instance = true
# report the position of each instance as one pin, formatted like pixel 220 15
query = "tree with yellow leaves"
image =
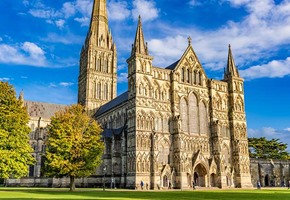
pixel 74 145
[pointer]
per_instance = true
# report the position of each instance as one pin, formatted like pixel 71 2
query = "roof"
pixel 173 65
pixel 108 133
pixel 112 104
pixel 43 110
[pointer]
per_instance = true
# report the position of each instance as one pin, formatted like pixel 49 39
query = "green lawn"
pixel 52 193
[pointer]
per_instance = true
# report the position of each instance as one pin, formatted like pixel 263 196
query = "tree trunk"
pixel 72 185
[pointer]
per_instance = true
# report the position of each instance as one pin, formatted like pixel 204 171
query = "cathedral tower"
pixel 139 81
pixel 238 126
pixel 97 82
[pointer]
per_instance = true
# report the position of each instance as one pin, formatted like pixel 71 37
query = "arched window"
pixel 99 91
pixel 188 76
pixel 182 74
pixel 183 115
pixel 193 114
pixel 203 118
pixel 106 91
pixel 197 78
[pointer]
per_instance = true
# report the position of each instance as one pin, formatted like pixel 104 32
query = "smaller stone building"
pixel 40 114
pixel 274 173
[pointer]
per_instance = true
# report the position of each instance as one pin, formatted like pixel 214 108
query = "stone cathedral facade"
pixel 174 125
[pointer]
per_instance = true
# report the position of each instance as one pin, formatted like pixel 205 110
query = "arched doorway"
pixel 189 180
pixel 213 179
pixel 229 182
pixel 200 176
pixel 267 180
pixel 165 181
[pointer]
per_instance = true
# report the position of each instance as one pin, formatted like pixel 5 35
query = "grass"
pixel 53 193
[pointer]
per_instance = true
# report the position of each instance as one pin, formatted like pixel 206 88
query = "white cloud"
pixel 167 50
pixel 47 13
pixel 25 2
pixel 68 9
pixel 66 84
pixel 64 39
pixel 287 129
pixel 273 69
pixel 193 3
pixel 84 21
pixel 118 10
pixel 145 8
pixel 5 79
pixel 33 50
pixel 260 33
pixel 60 23
pixel 122 78
pixel 271 133
pixel 27 53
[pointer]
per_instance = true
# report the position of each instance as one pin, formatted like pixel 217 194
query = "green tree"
pixel 15 151
pixel 74 146
pixel 267 149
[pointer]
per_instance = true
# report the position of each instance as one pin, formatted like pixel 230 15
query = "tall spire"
pixel 99 28
pixel 231 69
pixel 139 44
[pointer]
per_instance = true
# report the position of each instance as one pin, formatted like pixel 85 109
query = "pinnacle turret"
pixel 139 45
pixel 231 70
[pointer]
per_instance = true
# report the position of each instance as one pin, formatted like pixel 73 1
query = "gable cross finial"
pixel 189 40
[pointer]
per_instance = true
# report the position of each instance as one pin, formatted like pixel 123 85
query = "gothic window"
pixel 182 74
pixel 197 78
pixel 98 65
pixel 203 118
pixel 99 91
pixel 32 127
pixel 193 114
pixel 105 68
pixel 95 90
pixel 157 94
pixel 165 125
pixel 194 77
pixel 188 76
pixel 163 148
pixel 106 91
pixel 183 115
pixel 201 79
pixel 140 89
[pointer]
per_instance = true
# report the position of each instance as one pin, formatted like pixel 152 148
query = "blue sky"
pixel 40 42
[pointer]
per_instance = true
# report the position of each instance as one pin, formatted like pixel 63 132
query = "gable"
pixel 188 63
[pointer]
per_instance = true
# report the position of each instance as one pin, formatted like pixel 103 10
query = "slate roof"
pixel 113 103
pixel 43 110
pixel 172 66
pixel 108 133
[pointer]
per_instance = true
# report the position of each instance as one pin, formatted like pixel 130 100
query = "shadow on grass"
pixel 49 193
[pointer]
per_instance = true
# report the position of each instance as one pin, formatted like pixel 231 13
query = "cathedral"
pixel 174 126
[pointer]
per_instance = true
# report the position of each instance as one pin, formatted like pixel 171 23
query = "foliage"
pixel 15 151
pixel 267 149
pixel 74 146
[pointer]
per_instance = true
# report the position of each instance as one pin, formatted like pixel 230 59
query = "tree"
pixel 267 149
pixel 15 151
pixel 74 146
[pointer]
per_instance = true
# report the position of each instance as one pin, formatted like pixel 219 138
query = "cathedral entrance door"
pixel 165 181
pixel 189 180
pixel 213 180
pixel 267 180
pixel 195 179
pixel 200 175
